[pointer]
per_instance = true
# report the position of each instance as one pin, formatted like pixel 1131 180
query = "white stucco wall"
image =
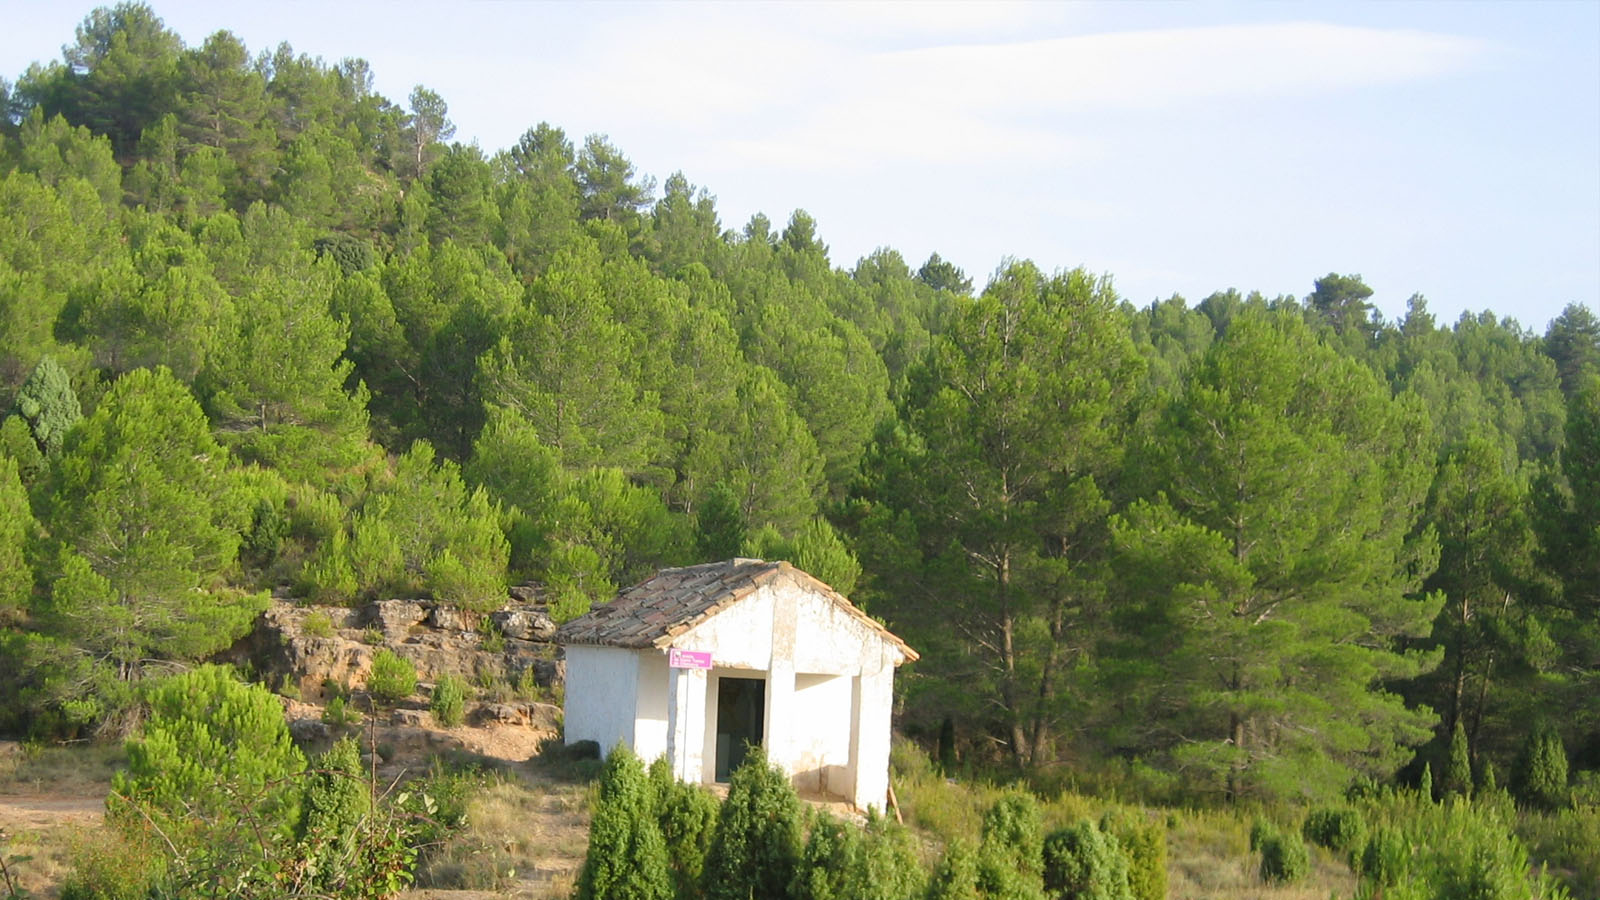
pixel 833 641
pixel 823 709
pixel 739 637
pixel 650 726
pixel 601 695
pixel 874 700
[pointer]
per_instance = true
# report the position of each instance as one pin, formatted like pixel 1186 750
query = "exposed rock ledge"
pixel 437 638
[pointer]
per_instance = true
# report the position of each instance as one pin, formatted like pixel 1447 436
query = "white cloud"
pixel 777 94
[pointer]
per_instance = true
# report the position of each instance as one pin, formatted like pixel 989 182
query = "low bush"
pixel 1339 829
pixel 392 679
pixel 687 815
pixel 1084 863
pixel 339 714
pixel 1385 857
pixel 111 864
pixel 956 876
pixel 1567 842
pixel 1284 859
pixel 1145 843
pixel 449 701
pixel 318 624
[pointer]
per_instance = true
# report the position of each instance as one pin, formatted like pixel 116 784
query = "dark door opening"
pixel 741 711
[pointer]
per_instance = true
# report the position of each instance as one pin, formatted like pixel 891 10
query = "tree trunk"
pixel 1008 659
pixel 1047 674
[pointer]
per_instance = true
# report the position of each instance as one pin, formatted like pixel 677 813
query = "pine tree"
pixel 627 857
pixel 149 516
pixel 994 481
pixel 1458 768
pixel 17 529
pixel 49 406
pixel 1277 575
pixel 1539 777
pixel 721 524
pixel 687 814
pixel 756 847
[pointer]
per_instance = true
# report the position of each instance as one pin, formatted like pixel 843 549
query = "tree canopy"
pixel 262 328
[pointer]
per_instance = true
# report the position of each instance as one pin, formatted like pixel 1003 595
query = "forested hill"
pixel 261 327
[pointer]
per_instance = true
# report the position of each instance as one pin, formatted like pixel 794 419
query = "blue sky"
pixel 1447 149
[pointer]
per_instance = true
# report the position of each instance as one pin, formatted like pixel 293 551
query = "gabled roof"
pixel 655 611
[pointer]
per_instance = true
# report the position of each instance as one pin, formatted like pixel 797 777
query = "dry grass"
pixel 75 770
pixel 525 837
pixel 1208 856
pixel 51 798
pixel 39 858
pixel 1208 852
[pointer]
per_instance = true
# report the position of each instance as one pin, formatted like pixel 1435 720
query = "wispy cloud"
pixel 797 98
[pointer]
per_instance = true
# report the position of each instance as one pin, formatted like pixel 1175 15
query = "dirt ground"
pixel 52 799
pixel 29 812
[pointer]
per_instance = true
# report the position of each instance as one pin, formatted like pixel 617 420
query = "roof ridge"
pixel 656 610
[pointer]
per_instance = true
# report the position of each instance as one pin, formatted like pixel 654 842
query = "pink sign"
pixel 689 659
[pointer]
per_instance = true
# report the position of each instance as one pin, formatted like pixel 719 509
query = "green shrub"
pixel 956 877
pixel 627 856
pixel 1284 859
pixel 212 774
pixel 449 701
pixel 269 525
pixel 1145 843
pixel 1010 857
pixel 756 845
pixel 1082 862
pixel 1386 857
pixel 841 862
pixel 1487 782
pixel 393 678
pixel 890 868
pixel 1339 829
pixel 1259 829
pixel 1567 841
pixel 687 815
pixel 114 864
pixel 1539 778
pixel 210 744
pixel 318 624
pixel 336 801
pixel 338 713
pixel 327 576
pixel 527 686
pixel 828 862
pixel 1014 823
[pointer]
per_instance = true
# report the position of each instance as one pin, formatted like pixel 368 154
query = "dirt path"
pixel 35 811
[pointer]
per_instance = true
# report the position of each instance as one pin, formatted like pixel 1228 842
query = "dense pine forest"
pixel 263 330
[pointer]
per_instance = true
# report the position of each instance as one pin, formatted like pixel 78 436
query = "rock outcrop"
pixel 316 648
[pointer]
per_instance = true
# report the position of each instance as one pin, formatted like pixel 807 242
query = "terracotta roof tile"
pixel 658 609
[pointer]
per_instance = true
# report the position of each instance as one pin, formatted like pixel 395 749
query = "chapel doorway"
pixel 741 713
